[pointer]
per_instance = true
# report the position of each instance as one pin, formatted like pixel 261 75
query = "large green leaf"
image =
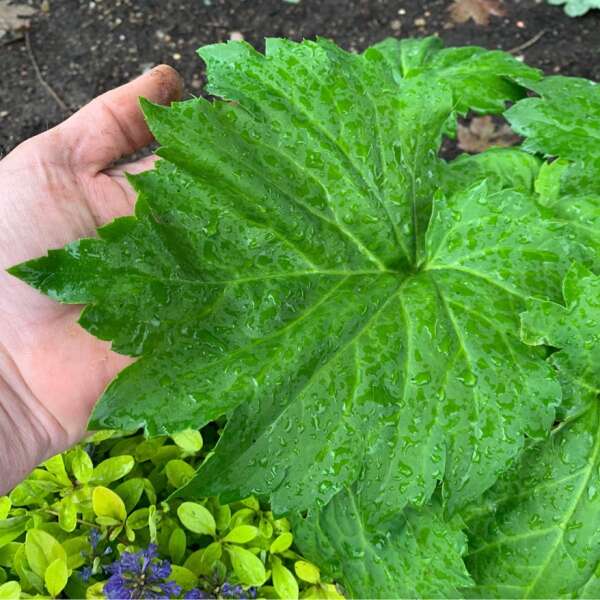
pixel 574 329
pixel 536 534
pixel 297 264
pixel 418 555
pixel 421 365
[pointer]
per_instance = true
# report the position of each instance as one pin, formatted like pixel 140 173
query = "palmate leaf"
pixel 296 264
pixel 536 534
pixel 575 330
pixel 418 555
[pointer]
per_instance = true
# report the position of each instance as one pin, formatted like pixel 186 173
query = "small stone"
pixel 520 24
pixel 236 36
pixel 396 25
pixel 45 6
pixel 3 114
pixel 176 56
pixel 420 22
pixel 402 11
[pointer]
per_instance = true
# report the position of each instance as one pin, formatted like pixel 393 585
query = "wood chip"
pixel 479 11
pixel 482 133
pixel 14 17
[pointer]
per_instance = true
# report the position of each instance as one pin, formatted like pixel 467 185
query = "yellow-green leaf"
pixel 307 571
pixel 10 590
pixel 5 505
pixel 81 465
pixel 67 514
pixel 282 543
pixel 241 534
pixel 201 562
pixel 197 518
pixel 111 469
pixel 177 545
pixel 12 528
pixel 283 580
pixel 108 504
pixel 41 549
pixel 183 577
pixel 179 472
pixel 94 592
pixel 138 519
pixel 266 528
pixel 189 440
pixel 76 548
pixel 247 567
pixel 56 576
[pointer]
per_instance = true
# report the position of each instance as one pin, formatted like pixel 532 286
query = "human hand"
pixel 55 188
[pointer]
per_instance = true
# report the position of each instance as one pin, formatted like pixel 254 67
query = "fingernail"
pixel 171 83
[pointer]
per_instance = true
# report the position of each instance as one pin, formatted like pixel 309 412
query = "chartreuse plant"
pixel 386 334
pixel 97 522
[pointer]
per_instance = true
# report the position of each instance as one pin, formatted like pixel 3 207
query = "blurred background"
pixel 56 55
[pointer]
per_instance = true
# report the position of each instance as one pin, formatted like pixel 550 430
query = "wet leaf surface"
pixel 535 534
pixel 302 262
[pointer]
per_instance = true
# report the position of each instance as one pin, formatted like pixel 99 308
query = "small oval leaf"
pixel 247 567
pixel 241 534
pixel 282 543
pixel 106 503
pixel 284 582
pixel 189 440
pixel 111 469
pixel 307 571
pixel 56 577
pixel 197 518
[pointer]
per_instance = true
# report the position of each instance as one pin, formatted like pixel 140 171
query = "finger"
pixel 112 125
pixel 119 176
pixel 133 168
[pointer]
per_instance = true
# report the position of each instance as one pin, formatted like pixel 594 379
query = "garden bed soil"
pixel 83 48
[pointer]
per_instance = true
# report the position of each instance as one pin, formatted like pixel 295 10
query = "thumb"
pixel 112 125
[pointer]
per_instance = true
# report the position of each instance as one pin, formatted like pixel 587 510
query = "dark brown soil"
pixel 86 47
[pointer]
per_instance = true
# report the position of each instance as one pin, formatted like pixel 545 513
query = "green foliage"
pixel 332 234
pixel 386 338
pixel 575 330
pixel 207 543
pixel 535 534
pixel 576 8
pixel 415 556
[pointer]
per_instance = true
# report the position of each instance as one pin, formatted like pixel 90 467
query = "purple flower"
pixel 86 573
pixel 196 594
pixel 236 591
pixel 94 538
pixel 140 575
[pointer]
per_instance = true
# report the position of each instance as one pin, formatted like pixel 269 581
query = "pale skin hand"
pixel 55 188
